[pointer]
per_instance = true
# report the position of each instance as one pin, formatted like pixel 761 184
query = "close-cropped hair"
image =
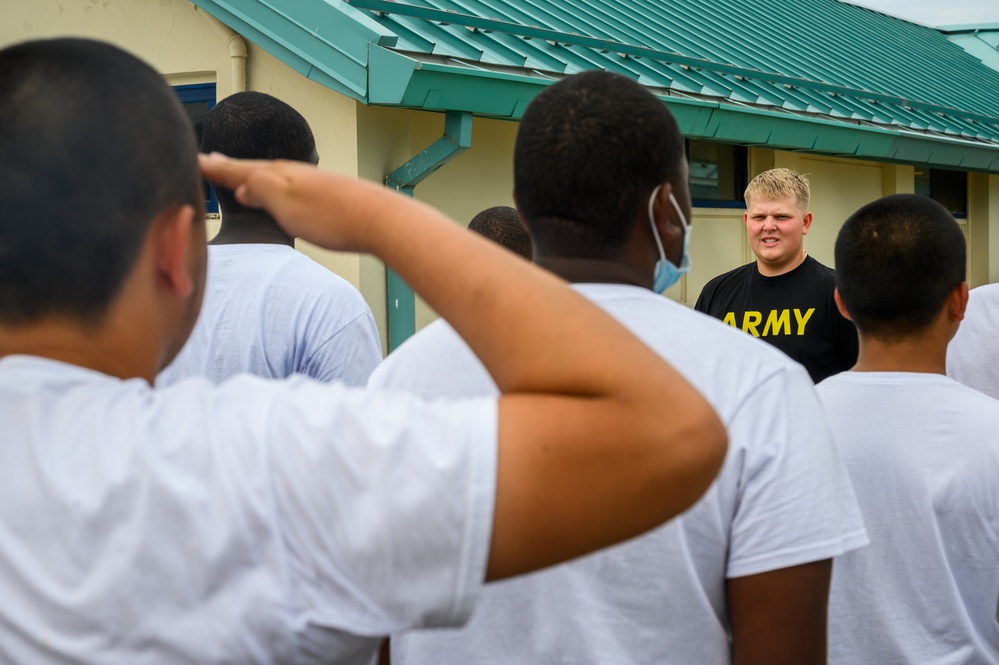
pixel 897 261
pixel 589 152
pixel 779 183
pixel 502 225
pixel 255 125
pixel 95 147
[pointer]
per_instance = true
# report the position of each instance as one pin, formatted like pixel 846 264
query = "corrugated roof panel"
pixel 678 78
pixel 720 31
pixel 818 102
pixel 931 120
pixel 767 95
pixel 890 54
pixel 412 40
pixel 446 42
pixel 610 17
pixel 794 99
pixel 495 51
pixel 537 56
pixel 584 59
pixel 568 17
pixel 860 109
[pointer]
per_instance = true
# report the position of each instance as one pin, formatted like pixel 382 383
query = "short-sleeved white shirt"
pixel 251 522
pixel 973 354
pixel 271 311
pixel 782 498
pixel 923 453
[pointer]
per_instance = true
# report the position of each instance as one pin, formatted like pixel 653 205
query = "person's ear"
pixel 957 302
pixel 667 222
pixel 840 306
pixel 174 230
pixel 806 223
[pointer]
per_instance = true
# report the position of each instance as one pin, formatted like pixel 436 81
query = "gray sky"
pixel 938 12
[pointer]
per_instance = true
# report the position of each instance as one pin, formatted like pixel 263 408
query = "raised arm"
pixel 599 438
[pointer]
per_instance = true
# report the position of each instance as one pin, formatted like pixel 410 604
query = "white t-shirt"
pixel 272 311
pixel 782 498
pixel 923 453
pixel 973 354
pixel 251 522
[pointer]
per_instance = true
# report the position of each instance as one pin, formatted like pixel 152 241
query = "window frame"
pixel 741 166
pixel 931 172
pixel 200 93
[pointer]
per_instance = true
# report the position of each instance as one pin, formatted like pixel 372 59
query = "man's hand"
pixel 302 199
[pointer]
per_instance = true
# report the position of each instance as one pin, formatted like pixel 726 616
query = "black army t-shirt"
pixel 795 312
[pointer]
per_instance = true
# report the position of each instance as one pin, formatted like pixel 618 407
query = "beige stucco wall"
pixel 479 178
pixel 167 33
pixel 983 229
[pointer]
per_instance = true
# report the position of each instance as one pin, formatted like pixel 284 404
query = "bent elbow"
pixel 701 449
pixel 711 448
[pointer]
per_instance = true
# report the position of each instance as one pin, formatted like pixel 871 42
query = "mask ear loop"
pixel 652 221
pixel 676 206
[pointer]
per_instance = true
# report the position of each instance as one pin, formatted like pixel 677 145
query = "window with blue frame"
pixel 948 188
pixel 197 101
pixel 718 174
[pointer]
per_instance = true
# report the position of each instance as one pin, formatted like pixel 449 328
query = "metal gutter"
pixel 457 139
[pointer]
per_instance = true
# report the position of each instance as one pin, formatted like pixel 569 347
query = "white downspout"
pixel 236 47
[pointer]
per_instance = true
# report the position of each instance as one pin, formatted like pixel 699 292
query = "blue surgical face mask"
pixel 668 274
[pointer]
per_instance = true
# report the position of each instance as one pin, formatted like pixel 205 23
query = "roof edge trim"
pixel 440 87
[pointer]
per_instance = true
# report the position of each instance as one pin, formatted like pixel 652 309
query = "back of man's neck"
pixel 110 350
pixel 250 230
pixel 920 354
pixel 593 271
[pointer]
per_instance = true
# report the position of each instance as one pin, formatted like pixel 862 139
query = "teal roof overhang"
pixel 937 106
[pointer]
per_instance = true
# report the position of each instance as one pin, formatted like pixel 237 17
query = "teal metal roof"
pixel 981 41
pixel 814 75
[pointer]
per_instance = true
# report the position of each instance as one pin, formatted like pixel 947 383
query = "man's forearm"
pixel 599 438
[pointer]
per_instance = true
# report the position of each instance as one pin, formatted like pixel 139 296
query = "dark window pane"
pixel 197 101
pixel 197 111
pixel 717 171
pixel 948 188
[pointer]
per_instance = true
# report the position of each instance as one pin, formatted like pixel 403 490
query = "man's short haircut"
pixel 897 260
pixel 94 146
pixel 502 225
pixel 255 125
pixel 590 149
pixel 778 184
